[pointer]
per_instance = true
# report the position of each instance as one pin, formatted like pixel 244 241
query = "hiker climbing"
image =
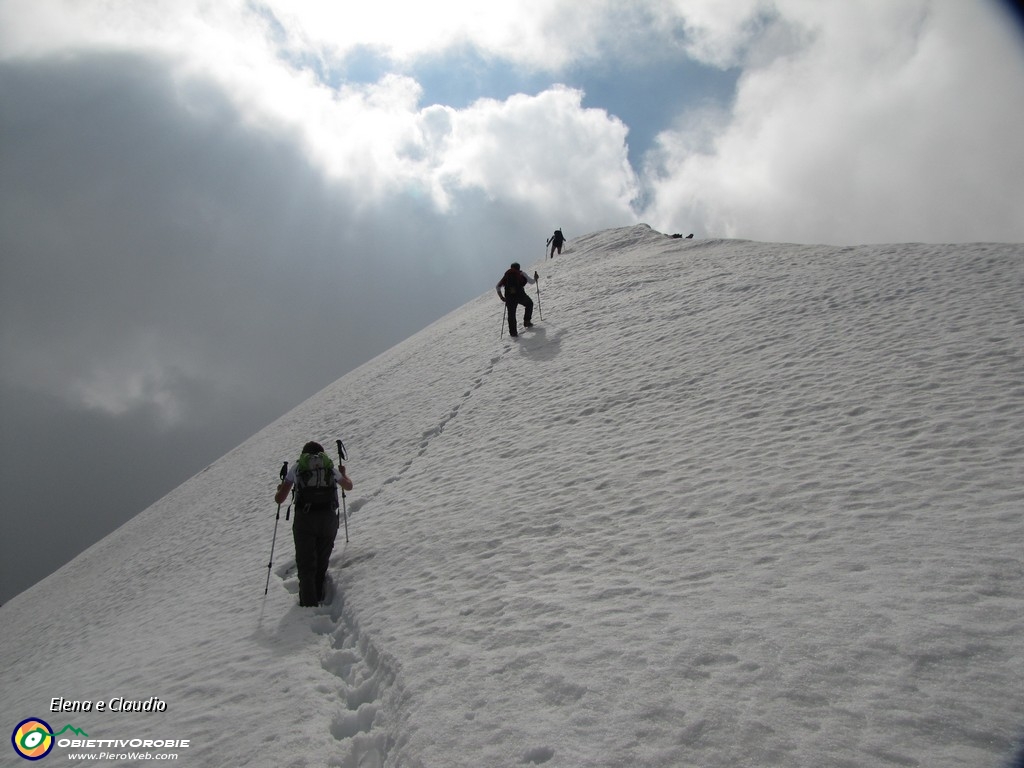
pixel 555 241
pixel 315 479
pixel 514 282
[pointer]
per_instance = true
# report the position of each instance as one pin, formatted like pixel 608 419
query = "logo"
pixel 34 738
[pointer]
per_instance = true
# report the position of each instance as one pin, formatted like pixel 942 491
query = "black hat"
pixel 515 265
pixel 312 447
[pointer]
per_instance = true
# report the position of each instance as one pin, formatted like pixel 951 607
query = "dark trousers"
pixel 314 534
pixel 511 302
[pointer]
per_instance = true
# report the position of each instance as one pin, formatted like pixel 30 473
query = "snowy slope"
pixel 728 504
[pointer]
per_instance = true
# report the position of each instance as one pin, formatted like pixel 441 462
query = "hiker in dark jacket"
pixel 555 241
pixel 514 283
pixel 316 481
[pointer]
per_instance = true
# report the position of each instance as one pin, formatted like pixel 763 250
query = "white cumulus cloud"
pixel 883 122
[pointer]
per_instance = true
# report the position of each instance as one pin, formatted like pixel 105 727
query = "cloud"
pixel 884 123
pixel 538 35
pixel 714 32
pixel 542 151
pixel 154 254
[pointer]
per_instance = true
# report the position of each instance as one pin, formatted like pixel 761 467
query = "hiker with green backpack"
pixel 315 479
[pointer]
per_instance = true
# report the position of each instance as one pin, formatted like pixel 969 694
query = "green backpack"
pixel 315 488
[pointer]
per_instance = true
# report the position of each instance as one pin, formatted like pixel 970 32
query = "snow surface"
pixel 729 504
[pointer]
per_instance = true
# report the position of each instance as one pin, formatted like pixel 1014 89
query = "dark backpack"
pixel 513 283
pixel 315 488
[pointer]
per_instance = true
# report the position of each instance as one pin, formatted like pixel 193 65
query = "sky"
pixel 208 212
pixel 777 522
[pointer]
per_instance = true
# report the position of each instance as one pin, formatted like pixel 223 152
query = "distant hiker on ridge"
pixel 316 481
pixel 555 241
pixel 514 282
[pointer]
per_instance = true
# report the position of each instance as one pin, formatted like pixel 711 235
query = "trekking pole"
pixel 540 309
pixel 273 543
pixel 503 313
pixel 342 457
